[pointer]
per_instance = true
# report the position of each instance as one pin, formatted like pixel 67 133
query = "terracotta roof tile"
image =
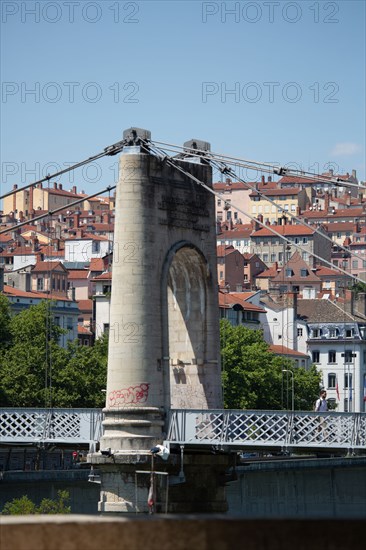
pixel 225 250
pixel 104 276
pixel 285 230
pixel 48 266
pixel 78 274
pixel 96 264
pixel 85 305
pixel 229 299
pixel 282 350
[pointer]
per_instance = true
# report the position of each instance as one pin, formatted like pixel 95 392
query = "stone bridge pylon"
pixel 164 329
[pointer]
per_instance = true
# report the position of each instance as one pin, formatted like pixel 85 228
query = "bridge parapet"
pixel 254 429
pixel 231 429
pixel 63 426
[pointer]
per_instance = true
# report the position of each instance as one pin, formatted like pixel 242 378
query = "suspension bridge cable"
pixel 292 216
pixel 57 210
pixel 107 151
pixel 173 163
pixel 280 171
pixel 224 169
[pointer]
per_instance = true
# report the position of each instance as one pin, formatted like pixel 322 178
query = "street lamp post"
pixel 293 388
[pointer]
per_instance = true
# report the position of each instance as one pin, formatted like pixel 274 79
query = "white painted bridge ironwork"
pixel 57 426
pixel 268 430
pixel 224 429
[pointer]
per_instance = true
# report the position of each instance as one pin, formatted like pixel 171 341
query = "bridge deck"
pixel 263 430
pixel 226 429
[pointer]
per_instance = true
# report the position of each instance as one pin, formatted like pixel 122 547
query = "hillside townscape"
pixel 292 268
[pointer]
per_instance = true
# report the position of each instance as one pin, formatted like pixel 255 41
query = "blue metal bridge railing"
pixel 229 429
pixel 268 429
pixel 41 426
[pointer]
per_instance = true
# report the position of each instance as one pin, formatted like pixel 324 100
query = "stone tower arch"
pixel 164 328
pixel 186 302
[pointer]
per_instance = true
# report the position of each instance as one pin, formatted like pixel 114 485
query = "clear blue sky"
pixel 296 69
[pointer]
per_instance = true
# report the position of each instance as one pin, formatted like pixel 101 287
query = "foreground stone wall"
pixel 178 532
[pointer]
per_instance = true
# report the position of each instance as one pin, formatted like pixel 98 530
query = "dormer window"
pixel 349 333
pixel 304 272
pixel 289 273
pixel 316 333
pixel 333 333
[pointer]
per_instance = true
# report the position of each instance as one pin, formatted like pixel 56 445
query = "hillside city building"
pixel 291 290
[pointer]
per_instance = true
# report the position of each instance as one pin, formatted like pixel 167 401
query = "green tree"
pixel 36 371
pixel 26 365
pixel 24 506
pixel 5 319
pixel 80 381
pixel 19 507
pixel 49 506
pixel 252 376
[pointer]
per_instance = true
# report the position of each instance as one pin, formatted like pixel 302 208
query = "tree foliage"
pixel 24 506
pixel 36 371
pixel 5 318
pixel 252 375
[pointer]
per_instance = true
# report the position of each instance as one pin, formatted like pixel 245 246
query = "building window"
pixel 218 202
pixel 265 257
pixel 56 320
pixel 333 333
pixel 299 331
pixel 349 333
pixel 40 283
pixel 304 240
pixel 96 247
pixel 348 380
pixel 304 272
pixel 315 356
pixel 289 273
pixel 332 356
pixel 348 356
pixel 354 264
pixel 331 403
pixel 106 328
pixel 332 380
pixel 316 333
pixel 273 257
